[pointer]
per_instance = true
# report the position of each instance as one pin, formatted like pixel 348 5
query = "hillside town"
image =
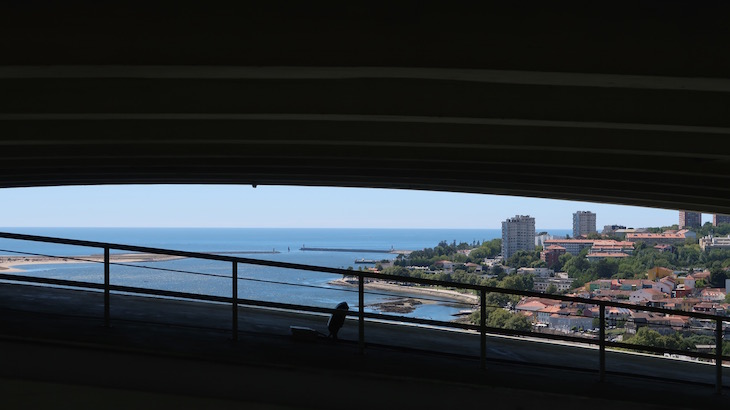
pixel 684 267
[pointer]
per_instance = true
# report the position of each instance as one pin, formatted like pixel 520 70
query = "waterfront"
pixel 258 282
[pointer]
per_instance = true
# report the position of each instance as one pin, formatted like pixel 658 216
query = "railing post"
pixel 483 327
pixel 718 356
pixel 234 299
pixel 602 342
pixel 361 313
pixel 106 288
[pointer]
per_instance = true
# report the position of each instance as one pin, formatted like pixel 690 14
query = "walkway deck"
pixel 181 354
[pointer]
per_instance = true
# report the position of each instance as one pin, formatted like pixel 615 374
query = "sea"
pixel 256 282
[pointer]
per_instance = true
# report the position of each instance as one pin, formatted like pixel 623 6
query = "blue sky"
pixel 296 207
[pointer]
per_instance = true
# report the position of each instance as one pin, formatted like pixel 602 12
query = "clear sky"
pixel 296 207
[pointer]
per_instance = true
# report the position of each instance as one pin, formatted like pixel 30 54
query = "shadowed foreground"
pixel 56 350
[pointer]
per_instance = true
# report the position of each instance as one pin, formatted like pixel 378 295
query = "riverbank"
pixel 414 290
pixel 11 263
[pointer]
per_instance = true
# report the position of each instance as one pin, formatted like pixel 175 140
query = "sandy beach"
pixel 387 286
pixel 11 263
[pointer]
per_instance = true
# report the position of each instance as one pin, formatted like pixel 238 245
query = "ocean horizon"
pixel 254 239
pixel 258 282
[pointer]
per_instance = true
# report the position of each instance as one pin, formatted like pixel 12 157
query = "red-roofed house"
pixel 551 255
pixel 664 247
pixel 667 237
pixel 603 255
pixel 712 294
pixel 543 315
pixel 611 246
pixel 666 285
pixel 710 308
pixel 572 246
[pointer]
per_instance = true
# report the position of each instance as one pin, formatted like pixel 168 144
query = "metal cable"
pixel 226 276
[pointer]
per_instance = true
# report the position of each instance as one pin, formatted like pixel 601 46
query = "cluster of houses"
pixel 664 288
pixel 609 248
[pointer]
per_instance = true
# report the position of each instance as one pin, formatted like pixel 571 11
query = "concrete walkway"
pixel 181 354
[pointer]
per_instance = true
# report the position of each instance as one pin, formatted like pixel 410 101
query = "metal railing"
pixel 361 315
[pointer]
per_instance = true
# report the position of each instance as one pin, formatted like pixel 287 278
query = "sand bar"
pixel 10 263
pixel 395 287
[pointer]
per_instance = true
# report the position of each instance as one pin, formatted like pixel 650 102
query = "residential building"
pixel 713 242
pixel 566 322
pixel 540 239
pixel 621 233
pixel 712 294
pixel 584 223
pixel 646 296
pixel 609 245
pixel 658 272
pixel 667 237
pixel 710 308
pixel 619 284
pixel 551 255
pixel 536 272
pixel 688 219
pixel 665 247
pixel 594 256
pixel 518 234
pixel 718 219
pixel 572 246
pixel 665 285
pixel 533 305
pixel 611 229
pixel 543 315
pixel 561 283
pixel 617 316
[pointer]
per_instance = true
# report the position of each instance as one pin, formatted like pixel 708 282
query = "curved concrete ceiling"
pixel 627 105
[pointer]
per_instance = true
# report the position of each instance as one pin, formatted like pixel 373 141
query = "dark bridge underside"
pixel 625 103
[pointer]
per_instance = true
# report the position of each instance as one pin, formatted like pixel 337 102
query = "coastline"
pixel 387 286
pixel 9 264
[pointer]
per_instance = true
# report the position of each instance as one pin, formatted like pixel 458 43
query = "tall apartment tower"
pixel 584 222
pixel 689 219
pixel 518 234
pixel 718 219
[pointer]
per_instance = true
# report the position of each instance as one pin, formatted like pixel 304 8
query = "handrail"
pixel 339 271
pixel 360 314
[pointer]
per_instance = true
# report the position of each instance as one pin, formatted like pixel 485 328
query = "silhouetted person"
pixel 337 319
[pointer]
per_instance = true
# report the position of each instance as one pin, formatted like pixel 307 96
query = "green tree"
pixel 606 268
pixel 518 321
pixel 496 270
pixel 518 282
pixel 498 318
pixel 717 277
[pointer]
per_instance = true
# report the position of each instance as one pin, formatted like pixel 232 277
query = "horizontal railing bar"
pixel 655 349
pixel 432 322
pixel 51 281
pixel 345 272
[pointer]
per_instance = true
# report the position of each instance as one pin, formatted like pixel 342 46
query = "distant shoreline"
pixel 9 263
pixel 381 285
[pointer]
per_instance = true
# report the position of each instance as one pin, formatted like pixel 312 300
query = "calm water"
pixel 262 283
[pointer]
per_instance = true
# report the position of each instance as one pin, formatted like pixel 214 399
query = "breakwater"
pixel 347 250
pixel 390 251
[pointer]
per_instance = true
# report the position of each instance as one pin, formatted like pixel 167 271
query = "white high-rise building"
pixel 518 234
pixel 584 222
